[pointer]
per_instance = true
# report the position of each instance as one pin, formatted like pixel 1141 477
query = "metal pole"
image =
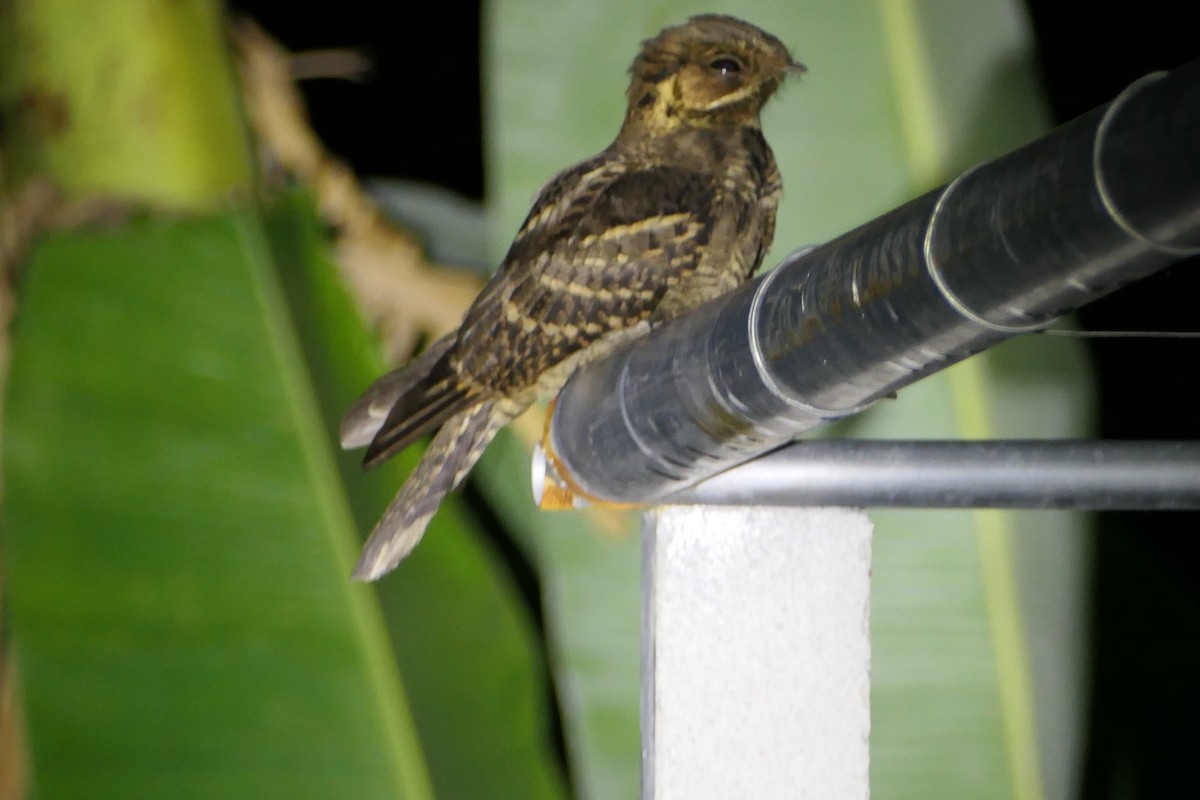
pixel 1082 475
pixel 1006 248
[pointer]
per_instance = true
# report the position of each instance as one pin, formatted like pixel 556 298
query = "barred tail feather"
pixel 454 450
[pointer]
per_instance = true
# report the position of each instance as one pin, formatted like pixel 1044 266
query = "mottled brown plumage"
pixel 678 209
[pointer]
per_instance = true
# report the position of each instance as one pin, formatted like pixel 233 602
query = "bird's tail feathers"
pixel 450 456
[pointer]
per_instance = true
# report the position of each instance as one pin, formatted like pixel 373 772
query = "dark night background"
pixel 1145 699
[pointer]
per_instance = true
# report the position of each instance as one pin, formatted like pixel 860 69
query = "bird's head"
pixel 710 70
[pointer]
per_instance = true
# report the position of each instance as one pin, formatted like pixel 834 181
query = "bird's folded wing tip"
pixel 359 426
pixel 352 437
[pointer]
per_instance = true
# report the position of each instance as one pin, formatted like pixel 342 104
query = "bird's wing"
pixel 422 407
pixel 413 400
pixel 364 419
pixel 597 254
pixel 604 243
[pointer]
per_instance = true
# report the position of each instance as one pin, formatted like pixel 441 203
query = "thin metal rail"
pixel 1065 474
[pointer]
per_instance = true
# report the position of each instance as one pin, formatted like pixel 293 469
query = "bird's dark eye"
pixel 726 64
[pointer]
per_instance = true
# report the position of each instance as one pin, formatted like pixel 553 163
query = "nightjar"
pixel 679 209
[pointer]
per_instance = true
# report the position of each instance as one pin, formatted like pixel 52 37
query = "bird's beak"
pixel 796 68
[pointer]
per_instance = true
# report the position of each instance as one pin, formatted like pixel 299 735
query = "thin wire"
pixel 1122 334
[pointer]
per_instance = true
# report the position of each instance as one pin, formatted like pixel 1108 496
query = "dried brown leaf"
pixel 396 285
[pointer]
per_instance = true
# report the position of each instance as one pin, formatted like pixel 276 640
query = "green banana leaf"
pixel 176 542
pixel 178 524
pixel 977 618
pixel 460 634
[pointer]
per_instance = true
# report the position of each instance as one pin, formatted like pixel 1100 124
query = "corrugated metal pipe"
pixel 1006 248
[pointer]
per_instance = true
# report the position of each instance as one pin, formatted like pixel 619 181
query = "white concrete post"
pixel 756 653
